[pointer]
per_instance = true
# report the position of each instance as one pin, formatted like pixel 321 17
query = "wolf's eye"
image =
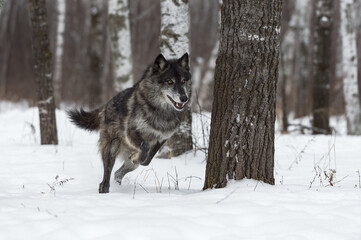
pixel 183 81
pixel 170 82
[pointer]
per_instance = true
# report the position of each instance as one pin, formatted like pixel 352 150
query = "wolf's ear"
pixel 183 61
pixel 160 63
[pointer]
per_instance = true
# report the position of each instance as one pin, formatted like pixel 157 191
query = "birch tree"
pixel 43 74
pixel 174 42
pixel 243 112
pixel 58 65
pixel 349 64
pixel 322 11
pixel 121 43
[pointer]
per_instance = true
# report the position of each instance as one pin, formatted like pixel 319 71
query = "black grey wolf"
pixel 137 121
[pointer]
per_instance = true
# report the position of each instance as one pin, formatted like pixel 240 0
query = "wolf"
pixel 136 122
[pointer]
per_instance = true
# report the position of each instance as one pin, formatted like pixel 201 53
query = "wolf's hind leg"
pixel 127 166
pixel 109 153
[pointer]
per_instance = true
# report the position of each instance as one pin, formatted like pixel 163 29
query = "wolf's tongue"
pixel 179 105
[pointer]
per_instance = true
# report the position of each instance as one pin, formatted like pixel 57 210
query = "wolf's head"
pixel 171 82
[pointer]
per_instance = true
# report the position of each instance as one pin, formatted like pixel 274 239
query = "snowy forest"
pixel 204 119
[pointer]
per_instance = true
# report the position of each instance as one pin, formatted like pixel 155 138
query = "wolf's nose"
pixel 183 99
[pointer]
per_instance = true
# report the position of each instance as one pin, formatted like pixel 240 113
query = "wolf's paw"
pixel 145 162
pixel 118 179
pixel 104 187
pixel 134 156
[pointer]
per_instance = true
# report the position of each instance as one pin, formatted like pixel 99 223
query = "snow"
pixel 51 192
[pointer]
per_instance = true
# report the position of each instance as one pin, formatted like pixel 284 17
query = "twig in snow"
pixel 234 190
pixel 143 188
pixel 58 183
pixel 135 186
pixel 341 179
pixel 255 186
pixel 176 175
pixel 359 178
pixel 175 180
pixel 299 156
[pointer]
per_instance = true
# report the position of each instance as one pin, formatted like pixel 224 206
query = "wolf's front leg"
pixel 138 142
pixel 152 153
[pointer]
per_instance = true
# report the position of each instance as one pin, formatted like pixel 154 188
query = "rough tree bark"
pixel 121 44
pixel 96 48
pixel 43 74
pixel 243 114
pixel 322 10
pixel 349 64
pixel 174 42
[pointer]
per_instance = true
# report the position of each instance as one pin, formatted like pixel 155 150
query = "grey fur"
pixel 136 122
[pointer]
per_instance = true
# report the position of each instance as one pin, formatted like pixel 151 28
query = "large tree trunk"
pixel 96 49
pixel 121 44
pixel 243 114
pixel 321 65
pixel 174 42
pixel 349 62
pixel 42 68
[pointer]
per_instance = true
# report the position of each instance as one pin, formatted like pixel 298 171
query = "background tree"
pixel 59 49
pixel 287 13
pixel 243 114
pixel 96 49
pixel 350 71
pixel 121 44
pixel 1 4
pixel 204 42
pixel 43 74
pixel 322 10
pixel 174 42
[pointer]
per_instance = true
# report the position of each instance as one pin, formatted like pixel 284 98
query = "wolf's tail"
pixel 85 120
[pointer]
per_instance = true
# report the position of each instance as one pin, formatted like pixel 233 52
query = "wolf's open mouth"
pixel 177 105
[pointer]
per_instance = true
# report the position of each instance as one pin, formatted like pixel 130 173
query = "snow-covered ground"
pixel 51 192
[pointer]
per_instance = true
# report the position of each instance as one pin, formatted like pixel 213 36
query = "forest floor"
pixel 51 192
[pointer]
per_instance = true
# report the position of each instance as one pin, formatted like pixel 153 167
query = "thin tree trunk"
pixel 206 83
pixel 321 65
pixel 243 113
pixel 349 60
pixel 174 42
pixel 1 4
pixel 96 49
pixel 284 97
pixel 5 44
pixel 42 68
pixel 58 65
pixel 121 44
